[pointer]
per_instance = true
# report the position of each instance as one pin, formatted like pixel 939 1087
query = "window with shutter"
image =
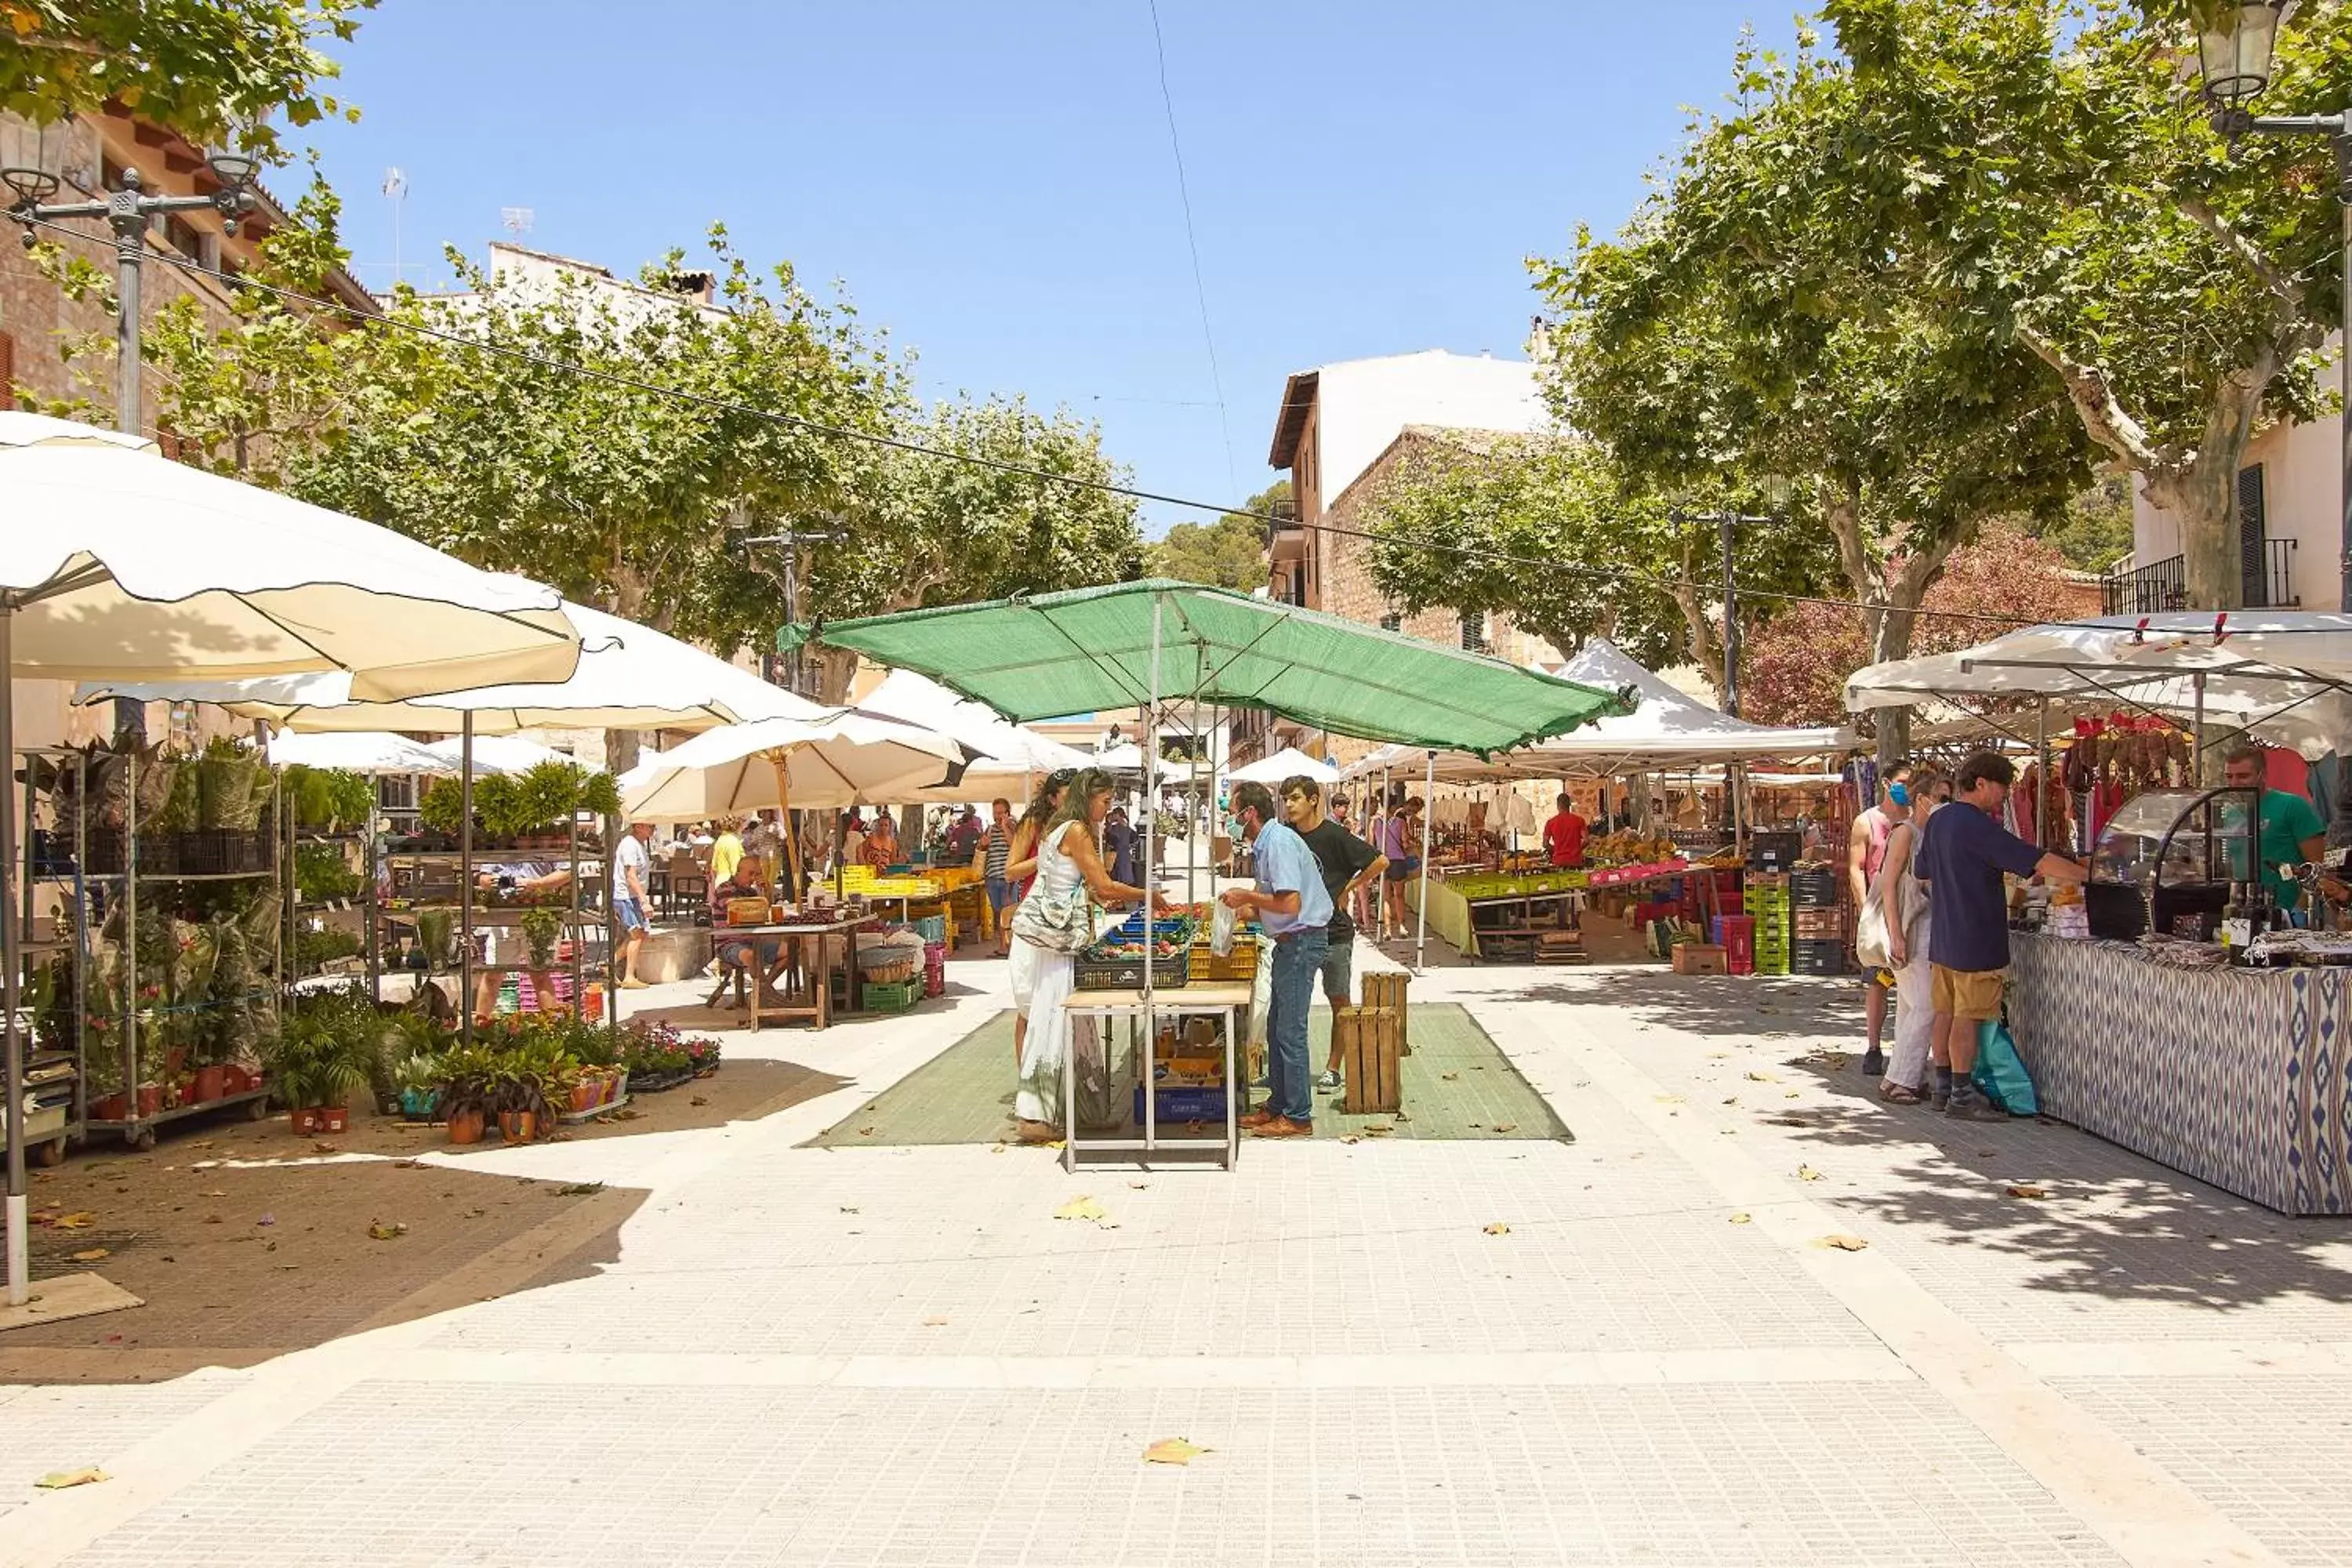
pixel 1474 634
pixel 2253 551
pixel 1392 621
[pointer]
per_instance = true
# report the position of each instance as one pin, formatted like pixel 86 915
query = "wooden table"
pixel 814 979
pixel 1230 1000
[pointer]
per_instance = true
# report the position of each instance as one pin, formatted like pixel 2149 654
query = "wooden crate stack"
pixel 1388 990
pixel 1369 1046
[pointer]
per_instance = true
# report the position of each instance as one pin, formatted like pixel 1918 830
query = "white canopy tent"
pixel 842 759
pixel 1288 763
pixel 503 755
pixel 362 752
pixel 1667 731
pixel 2283 677
pixel 1012 755
pixel 116 564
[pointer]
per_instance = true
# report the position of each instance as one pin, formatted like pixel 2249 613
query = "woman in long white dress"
pixel 1070 858
pixel 1903 900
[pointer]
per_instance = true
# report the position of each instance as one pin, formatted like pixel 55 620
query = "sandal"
pixel 1895 1094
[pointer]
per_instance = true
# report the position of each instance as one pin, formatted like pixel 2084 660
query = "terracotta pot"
pixel 465 1127
pixel 212 1082
pixel 150 1099
pixel 302 1120
pixel 331 1118
pixel 108 1108
pixel 518 1126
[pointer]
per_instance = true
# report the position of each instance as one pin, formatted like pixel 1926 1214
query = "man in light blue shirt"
pixel 1291 902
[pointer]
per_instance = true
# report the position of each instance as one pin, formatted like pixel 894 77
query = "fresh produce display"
pixel 1628 847
pixel 1170 936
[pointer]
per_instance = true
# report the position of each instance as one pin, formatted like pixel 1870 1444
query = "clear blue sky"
pixel 995 183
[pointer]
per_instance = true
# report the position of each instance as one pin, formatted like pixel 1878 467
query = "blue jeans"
pixel 1297 959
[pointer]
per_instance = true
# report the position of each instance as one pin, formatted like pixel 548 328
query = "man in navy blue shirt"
pixel 1961 857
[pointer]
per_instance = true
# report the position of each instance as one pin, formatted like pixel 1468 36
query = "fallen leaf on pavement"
pixel 1743 1219
pixel 848 1209
pixel 1843 1243
pixel 1079 1208
pixel 1498 1228
pixel 1807 1173
pixel 1505 1127
pixel 1351 1138
pixel 385 1231
pixel 92 1256
pixel 935 1322
pixel 2023 1190
pixel 58 1480
pixel 1172 1451
pixel 266 1219
pixel 998 1148
pixel 1381 1131
pixel 212 1219
pixel 699 1099
pixel 578 1189
pixel 1667 1098
pixel 408 1165
pixel 1763 1077
pixel 325 1149
pixel 1449 1077
pixel 866 1132
pixel 1140 1186
pixel 79 1220
pixel 213 1194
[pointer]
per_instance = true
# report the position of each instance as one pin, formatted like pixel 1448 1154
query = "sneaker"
pixel 1874 1063
pixel 1330 1082
pixel 1968 1104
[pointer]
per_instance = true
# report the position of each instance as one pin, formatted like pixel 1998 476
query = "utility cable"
pixel 1192 243
pixel 1002 465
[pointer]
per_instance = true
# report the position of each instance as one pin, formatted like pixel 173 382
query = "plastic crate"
pixel 892 998
pixel 1818 958
pixel 932 929
pixel 1814 889
pixel 1127 973
pixel 1184 1105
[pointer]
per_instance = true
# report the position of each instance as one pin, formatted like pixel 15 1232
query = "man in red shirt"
pixel 1564 836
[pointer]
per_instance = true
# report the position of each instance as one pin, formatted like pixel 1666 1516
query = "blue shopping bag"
pixel 2001 1071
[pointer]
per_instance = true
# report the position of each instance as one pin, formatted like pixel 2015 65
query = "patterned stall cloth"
pixel 2235 1076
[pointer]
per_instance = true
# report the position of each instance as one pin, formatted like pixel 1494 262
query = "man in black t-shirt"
pixel 1347 863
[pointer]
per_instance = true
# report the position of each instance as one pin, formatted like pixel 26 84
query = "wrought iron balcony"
pixel 2159 585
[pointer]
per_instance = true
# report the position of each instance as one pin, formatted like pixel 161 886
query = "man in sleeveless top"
pixel 1865 852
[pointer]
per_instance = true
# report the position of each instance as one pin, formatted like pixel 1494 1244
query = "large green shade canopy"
pixel 1089 649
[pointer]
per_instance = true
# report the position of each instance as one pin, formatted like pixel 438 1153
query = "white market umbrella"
pixel 118 565
pixel 503 754
pixel 1288 763
pixel 628 678
pixel 364 751
pixel 846 758
pixel 1013 753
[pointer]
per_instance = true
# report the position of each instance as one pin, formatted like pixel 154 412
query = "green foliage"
pixel 329 800
pixel 499 805
pixel 2096 530
pixel 216 71
pixel 442 807
pixel 435 928
pixel 1228 554
pixel 542 928
pixel 600 793
pixel 322 872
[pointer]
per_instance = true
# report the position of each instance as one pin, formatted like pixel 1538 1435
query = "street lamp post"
pixel 126 210
pixel 1729 522
pixel 2234 53
pixel 791 539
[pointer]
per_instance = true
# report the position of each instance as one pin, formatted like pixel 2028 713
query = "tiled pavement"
pixel 900 1356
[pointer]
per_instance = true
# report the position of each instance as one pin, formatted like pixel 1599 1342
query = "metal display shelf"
pixel 139 1131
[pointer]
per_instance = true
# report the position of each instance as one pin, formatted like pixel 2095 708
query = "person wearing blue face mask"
pixel 1291 902
pixel 1865 853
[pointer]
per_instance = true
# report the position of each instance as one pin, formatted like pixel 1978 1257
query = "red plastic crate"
pixel 1740 943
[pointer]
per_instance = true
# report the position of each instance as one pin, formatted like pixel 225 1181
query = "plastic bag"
pixel 1222 922
pixel 2001 1071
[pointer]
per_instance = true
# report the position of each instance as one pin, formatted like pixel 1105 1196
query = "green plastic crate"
pixel 894 997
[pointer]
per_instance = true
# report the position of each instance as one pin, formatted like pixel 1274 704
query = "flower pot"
pixel 150 1099
pixel 331 1118
pixel 110 1107
pixel 518 1126
pixel 416 1104
pixel 585 1095
pixel 302 1120
pixel 212 1082
pixel 465 1127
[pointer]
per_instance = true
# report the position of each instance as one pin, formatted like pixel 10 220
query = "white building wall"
pixel 1364 404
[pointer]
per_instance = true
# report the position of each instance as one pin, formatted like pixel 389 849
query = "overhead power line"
pixel 1193 244
pixel 999 465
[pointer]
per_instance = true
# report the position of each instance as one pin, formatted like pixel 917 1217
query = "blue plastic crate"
pixel 1184 1105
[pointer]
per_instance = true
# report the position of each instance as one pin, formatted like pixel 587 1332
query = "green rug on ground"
pixel 1457 1085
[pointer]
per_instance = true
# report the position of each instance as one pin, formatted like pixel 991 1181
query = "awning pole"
pixel 1421 937
pixel 1150 882
pixel 2042 772
pixel 2197 685
pixel 466 876
pixel 20 1282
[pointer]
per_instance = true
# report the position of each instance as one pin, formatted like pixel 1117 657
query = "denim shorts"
pixel 626 911
pixel 1000 894
pixel 1339 970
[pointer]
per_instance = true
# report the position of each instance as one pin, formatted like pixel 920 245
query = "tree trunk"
pixel 2203 499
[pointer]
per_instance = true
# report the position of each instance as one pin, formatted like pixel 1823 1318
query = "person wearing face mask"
pixel 1289 900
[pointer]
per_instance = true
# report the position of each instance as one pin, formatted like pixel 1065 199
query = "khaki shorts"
pixel 1970 994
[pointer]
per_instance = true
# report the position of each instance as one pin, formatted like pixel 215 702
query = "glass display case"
pixel 2165 862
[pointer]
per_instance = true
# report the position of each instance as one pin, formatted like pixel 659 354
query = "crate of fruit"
pixel 1115 963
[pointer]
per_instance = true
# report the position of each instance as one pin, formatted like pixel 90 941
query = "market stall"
pixel 1143 643
pixel 2182 1008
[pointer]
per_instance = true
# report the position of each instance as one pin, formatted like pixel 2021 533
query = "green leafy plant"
pixel 441 808
pixel 600 794
pixel 542 928
pixel 498 805
pixel 330 800
pixel 434 930
pixel 322 872
pixel 548 793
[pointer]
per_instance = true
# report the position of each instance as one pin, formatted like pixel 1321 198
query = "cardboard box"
pixel 1701 958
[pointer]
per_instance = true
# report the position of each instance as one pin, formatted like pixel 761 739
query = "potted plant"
pixel 465 1092
pixel 542 928
pixel 417 1079
pixel 434 930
